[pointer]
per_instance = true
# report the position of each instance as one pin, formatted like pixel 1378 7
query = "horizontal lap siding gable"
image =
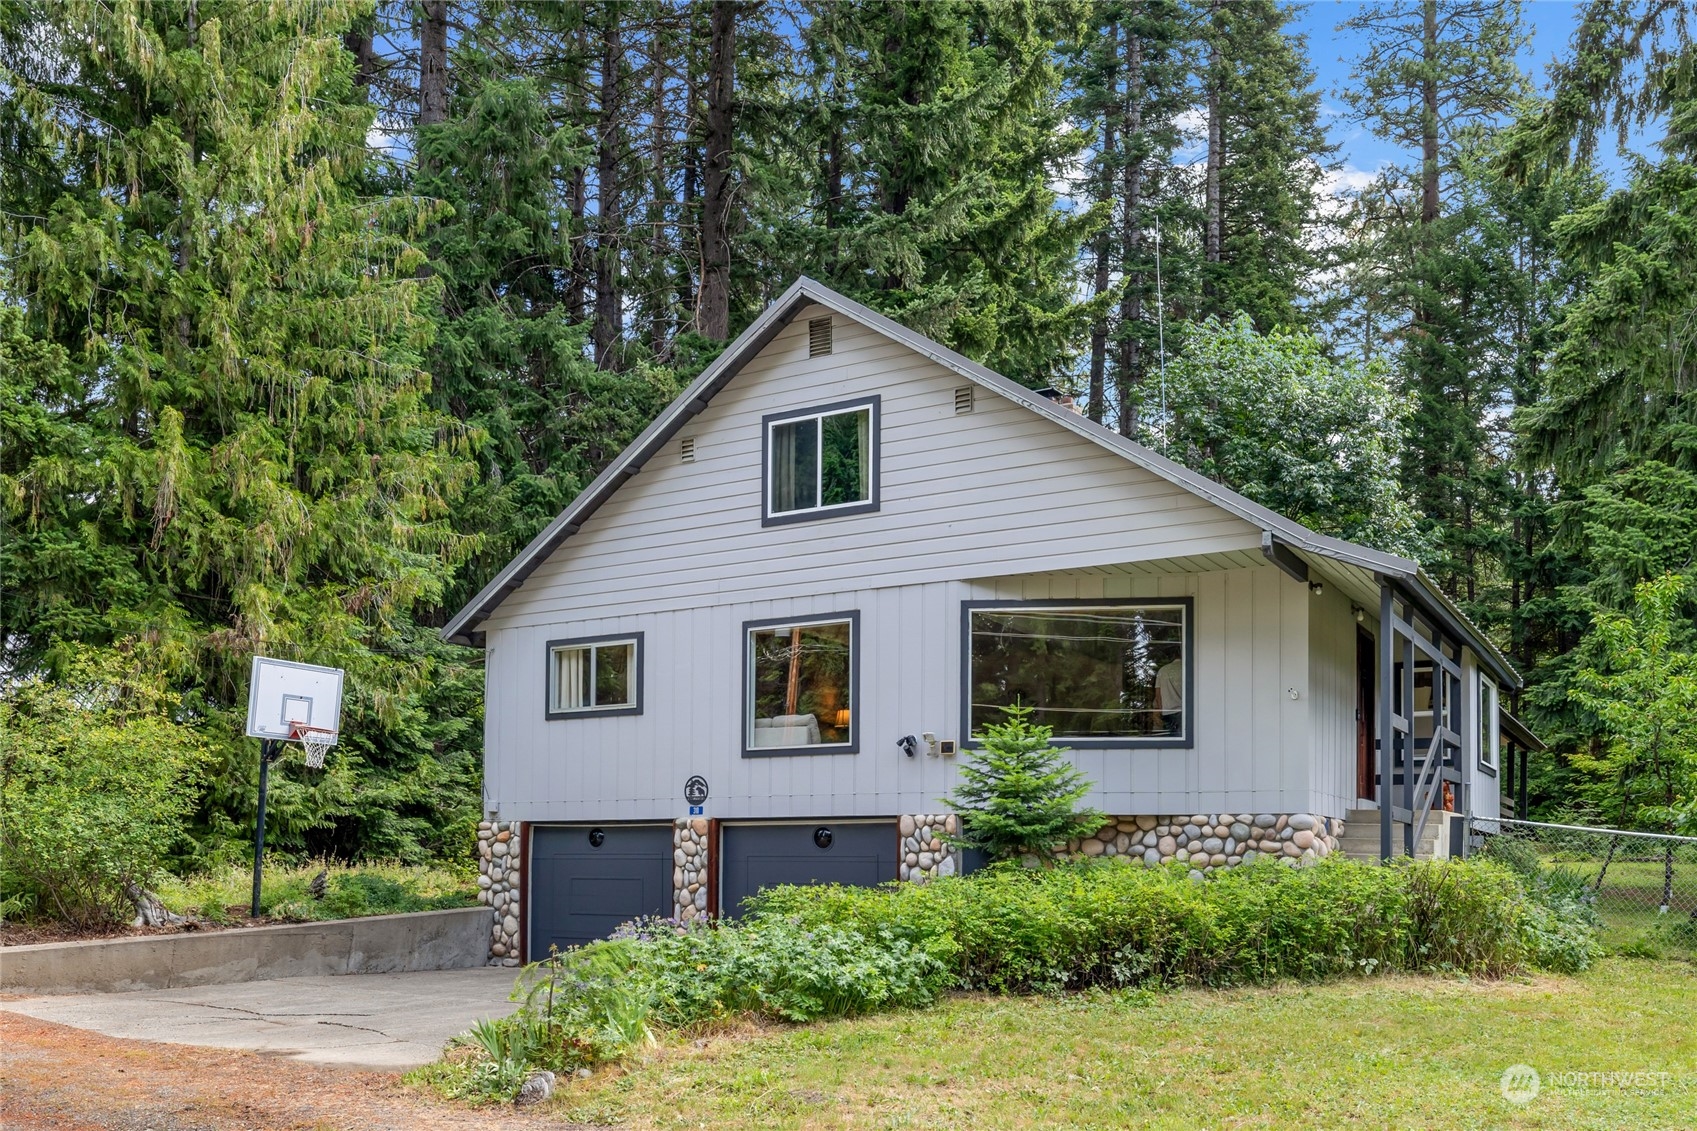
pixel 996 490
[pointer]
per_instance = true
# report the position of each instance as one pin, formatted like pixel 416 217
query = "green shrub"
pixel 598 1003
pixel 1116 923
pixel 1560 928
pixel 98 780
pixel 783 969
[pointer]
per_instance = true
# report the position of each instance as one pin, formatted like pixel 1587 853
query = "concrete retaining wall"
pixel 377 944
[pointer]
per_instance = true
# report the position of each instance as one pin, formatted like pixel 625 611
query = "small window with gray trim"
pixel 1100 673
pixel 821 462
pixel 595 676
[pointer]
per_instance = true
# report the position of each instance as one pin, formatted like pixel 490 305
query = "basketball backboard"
pixel 282 693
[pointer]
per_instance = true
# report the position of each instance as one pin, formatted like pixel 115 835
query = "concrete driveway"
pixel 388 1022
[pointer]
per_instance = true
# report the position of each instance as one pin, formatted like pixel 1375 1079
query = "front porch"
pixel 1453 748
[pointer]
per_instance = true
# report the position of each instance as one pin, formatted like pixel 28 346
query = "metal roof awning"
pixel 1517 731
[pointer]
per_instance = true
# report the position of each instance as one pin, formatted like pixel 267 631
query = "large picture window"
pixel 801 685
pixel 1098 673
pixel 822 462
pixel 595 676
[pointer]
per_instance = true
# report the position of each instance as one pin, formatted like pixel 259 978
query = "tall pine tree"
pixel 237 452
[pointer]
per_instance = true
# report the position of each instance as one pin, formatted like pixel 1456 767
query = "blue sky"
pixel 1551 22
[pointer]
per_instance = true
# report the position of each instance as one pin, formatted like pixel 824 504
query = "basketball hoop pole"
pixel 267 754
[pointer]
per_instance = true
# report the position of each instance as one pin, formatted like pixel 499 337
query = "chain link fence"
pixel 1642 886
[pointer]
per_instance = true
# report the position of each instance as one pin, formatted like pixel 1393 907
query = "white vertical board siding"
pixel 1253 742
pixel 1331 667
pixel 999 490
pixel 679 553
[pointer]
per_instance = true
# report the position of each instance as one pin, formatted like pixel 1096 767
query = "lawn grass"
pixel 1394 1051
pixel 1629 904
pixel 352 890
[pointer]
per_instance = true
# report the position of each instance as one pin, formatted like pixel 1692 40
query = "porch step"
pixel 1360 840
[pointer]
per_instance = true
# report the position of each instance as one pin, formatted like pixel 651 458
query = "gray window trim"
pixel 1188 604
pixel 852 746
pixel 1480 678
pixel 638 662
pixel 875 402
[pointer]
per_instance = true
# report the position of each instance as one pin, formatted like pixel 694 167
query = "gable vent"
pixel 686 449
pixel 963 399
pixel 818 336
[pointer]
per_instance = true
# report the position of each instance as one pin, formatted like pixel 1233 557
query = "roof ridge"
pixel 808 291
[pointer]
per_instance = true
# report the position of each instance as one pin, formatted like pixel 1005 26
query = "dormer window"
pixel 821 462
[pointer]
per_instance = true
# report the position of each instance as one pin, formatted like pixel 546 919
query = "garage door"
pixel 587 879
pixel 817 852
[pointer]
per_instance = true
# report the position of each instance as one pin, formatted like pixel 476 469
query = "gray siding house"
pixel 755 649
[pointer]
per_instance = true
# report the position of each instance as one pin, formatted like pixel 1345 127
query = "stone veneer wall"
pixel 924 853
pixel 689 868
pixel 499 856
pixel 1207 841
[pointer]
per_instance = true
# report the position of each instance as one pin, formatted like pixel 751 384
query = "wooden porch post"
pixel 1409 738
pixel 1387 730
pixel 1520 802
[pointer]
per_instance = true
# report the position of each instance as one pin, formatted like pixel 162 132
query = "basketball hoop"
pixel 284 699
pixel 315 743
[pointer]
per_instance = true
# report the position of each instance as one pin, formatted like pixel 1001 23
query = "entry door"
pixel 1365 709
pixel 586 880
pixel 812 852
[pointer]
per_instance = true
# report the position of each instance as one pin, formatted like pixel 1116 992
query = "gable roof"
pixel 1277 530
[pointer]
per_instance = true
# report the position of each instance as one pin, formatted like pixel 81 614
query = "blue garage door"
pixel 585 880
pixel 814 852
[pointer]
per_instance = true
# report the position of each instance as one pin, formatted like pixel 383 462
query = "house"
pixel 753 650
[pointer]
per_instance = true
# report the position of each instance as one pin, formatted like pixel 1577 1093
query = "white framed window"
pixel 1100 673
pixel 595 675
pixel 821 462
pixel 801 684
pixel 1490 726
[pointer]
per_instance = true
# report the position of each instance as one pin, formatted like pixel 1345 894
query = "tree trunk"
pixel 1597 885
pixel 1130 377
pixel 577 196
pixel 1216 156
pixel 358 43
pixel 433 63
pixel 714 305
pixel 834 175
pixel 1429 117
pixel 1099 331
pixel 660 300
pixel 609 212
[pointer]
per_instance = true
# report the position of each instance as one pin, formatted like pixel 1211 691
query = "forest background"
pixel 312 314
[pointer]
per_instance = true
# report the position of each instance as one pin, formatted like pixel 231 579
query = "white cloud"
pixel 1347 181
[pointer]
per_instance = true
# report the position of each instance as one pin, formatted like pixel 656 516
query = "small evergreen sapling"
pixel 1018 796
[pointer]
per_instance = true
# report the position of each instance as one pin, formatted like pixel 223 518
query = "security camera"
pixel 908 744
pixel 930 743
